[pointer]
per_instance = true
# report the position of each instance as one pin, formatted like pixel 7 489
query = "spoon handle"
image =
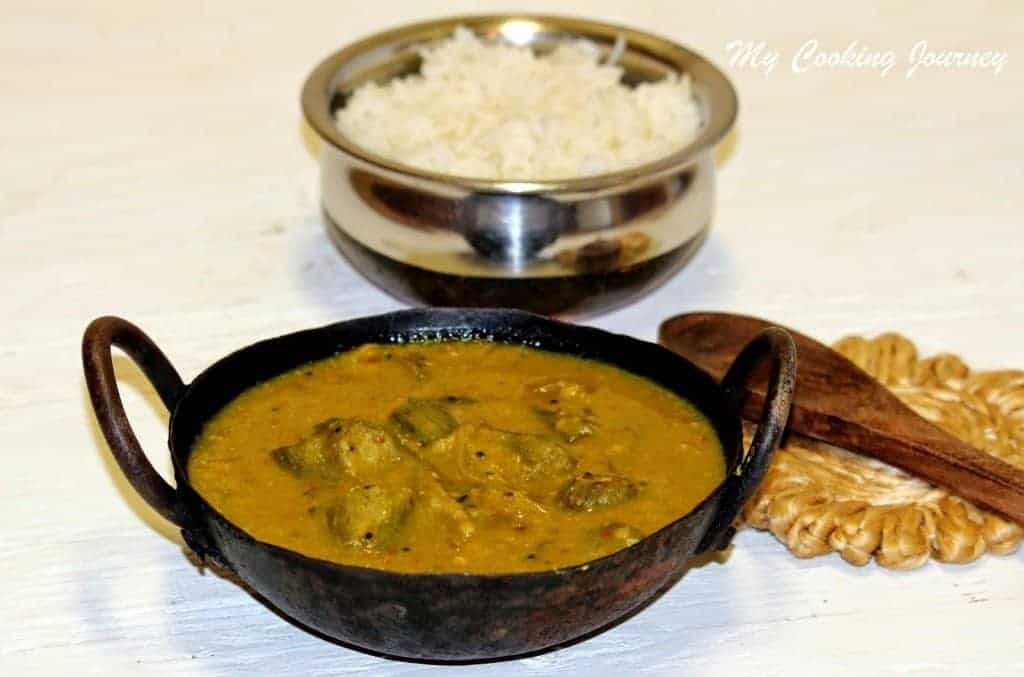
pixel 837 402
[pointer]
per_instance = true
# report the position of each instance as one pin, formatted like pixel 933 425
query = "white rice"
pixel 496 111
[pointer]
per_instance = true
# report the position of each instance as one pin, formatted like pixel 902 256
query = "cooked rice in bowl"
pixel 498 111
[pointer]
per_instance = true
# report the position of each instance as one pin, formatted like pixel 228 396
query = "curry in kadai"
pixel 455 456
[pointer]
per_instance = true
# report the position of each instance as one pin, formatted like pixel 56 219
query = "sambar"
pixel 456 456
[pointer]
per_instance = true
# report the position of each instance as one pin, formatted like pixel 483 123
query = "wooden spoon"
pixel 837 402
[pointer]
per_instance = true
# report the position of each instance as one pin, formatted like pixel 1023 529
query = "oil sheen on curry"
pixel 456 456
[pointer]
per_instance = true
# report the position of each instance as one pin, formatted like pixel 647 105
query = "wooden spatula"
pixel 837 402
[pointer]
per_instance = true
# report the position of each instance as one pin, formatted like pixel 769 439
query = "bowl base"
pixel 571 296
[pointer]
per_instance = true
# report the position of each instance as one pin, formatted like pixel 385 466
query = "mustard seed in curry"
pixel 456 456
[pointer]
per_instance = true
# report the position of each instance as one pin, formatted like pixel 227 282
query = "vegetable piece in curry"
pixel 456 456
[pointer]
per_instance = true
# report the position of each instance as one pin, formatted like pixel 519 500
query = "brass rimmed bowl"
pixel 571 247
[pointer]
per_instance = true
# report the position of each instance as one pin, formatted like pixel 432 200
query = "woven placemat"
pixel 819 499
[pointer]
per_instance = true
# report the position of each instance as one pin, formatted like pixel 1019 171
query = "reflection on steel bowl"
pixel 575 246
pixel 440 616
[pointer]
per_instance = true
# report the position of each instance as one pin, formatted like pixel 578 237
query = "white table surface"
pixel 155 165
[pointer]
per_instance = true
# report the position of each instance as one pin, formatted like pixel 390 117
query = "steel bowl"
pixel 569 247
pixel 439 616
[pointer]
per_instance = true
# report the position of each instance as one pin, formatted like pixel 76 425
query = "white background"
pixel 155 165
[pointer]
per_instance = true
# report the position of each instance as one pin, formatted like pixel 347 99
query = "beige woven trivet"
pixel 817 498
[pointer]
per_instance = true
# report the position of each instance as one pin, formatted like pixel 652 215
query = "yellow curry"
pixel 456 456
